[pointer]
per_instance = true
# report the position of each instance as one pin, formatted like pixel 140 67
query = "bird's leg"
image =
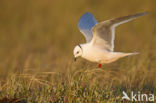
pixel 100 65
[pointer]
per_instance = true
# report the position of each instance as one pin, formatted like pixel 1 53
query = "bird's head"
pixel 77 51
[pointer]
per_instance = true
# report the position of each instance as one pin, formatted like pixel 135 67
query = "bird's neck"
pixel 85 47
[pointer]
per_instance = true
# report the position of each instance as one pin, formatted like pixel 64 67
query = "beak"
pixel 75 59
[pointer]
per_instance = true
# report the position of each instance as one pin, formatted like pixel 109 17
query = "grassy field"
pixel 36 44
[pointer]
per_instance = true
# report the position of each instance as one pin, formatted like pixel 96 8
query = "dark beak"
pixel 75 59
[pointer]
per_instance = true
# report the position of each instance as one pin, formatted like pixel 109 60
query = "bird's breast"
pixel 95 54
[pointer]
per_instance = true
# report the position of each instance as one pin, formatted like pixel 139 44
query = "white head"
pixel 77 51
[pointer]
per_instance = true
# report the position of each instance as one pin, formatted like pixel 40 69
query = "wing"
pixel 103 33
pixel 86 22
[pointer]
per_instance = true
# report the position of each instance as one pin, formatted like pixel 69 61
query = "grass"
pixel 36 61
pixel 89 86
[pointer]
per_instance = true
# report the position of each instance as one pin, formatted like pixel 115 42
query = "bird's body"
pixel 101 55
pixel 99 46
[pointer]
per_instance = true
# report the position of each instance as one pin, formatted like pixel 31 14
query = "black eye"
pixel 77 52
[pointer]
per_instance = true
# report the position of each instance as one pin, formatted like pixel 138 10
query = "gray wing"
pixel 104 32
pixel 86 23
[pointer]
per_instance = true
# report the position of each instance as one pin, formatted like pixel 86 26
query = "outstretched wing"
pixel 103 33
pixel 86 23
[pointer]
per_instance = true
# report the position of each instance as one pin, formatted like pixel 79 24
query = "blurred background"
pixel 40 35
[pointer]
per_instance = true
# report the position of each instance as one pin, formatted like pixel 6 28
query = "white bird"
pixel 99 37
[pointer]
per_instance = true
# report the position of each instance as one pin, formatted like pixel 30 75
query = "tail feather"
pixel 117 55
pixel 129 54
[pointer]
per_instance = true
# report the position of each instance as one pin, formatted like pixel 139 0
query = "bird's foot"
pixel 100 65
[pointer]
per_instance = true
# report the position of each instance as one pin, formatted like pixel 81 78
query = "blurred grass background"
pixel 39 36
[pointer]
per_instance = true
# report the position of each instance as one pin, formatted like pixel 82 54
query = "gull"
pixel 99 46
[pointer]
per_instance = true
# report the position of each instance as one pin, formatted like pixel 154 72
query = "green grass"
pixel 36 43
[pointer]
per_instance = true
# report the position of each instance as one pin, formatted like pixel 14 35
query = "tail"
pixel 117 55
pixel 129 54
pixel 117 21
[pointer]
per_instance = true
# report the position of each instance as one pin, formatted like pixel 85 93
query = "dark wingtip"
pixel 144 13
pixel 87 14
pixel 87 21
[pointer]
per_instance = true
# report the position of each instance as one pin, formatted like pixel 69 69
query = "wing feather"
pixel 86 23
pixel 104 32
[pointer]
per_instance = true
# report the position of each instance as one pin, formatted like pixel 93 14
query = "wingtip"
pixel 144 13
pixel 141 14
pixel 86 21
pixel 88 13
